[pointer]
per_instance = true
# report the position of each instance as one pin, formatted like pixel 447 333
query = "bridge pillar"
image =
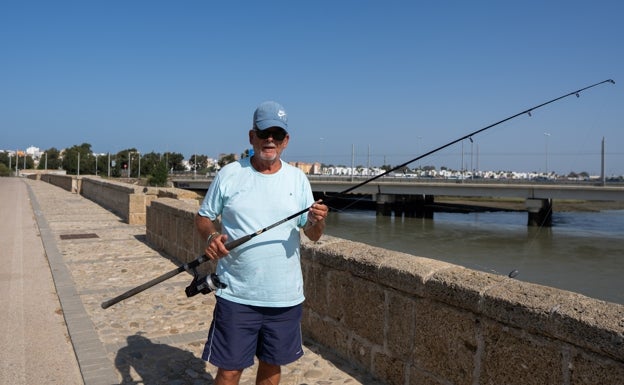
pixel 419 206
pixel 540 212
pixel 413 206
pixel 384 204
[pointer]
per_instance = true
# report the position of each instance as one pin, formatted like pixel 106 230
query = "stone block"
pixel 571 317
pixel 327 332
pixel 359 304
pixel 400 324
pixel 390 368
pixel 514 357
pixel 460 287
pixel 417 376
pixel 592 369
pixel 445 342
pixel 315 287
pixel 361 352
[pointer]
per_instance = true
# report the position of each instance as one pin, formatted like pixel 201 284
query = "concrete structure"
pixel 408 196
pixel 410 320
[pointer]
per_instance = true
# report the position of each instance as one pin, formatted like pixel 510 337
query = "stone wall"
pixel 67 182
pixel 126 200
pixel 170 228
pixel 412 320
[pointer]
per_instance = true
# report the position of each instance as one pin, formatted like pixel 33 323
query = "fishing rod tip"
pixel 611 81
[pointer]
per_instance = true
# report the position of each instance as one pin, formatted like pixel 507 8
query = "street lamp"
pixel 129 163
pixel 321 155
pixel 418 140
pixel 546 135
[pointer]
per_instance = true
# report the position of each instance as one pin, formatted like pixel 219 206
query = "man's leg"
pixel 228 377
pixel 268 374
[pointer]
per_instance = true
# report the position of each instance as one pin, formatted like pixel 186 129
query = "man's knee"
pixel 228 377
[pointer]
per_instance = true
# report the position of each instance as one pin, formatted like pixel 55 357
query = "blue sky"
pixel 390 79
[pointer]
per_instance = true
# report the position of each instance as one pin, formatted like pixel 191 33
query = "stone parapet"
pixel 411 320
pixel 170 228
pixel 70 183
pixel 126 200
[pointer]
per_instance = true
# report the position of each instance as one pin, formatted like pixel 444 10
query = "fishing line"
pixel 237 242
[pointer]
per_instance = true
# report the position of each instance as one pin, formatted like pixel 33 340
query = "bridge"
pixel 411 196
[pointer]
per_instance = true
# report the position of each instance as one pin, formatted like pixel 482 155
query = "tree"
pixel 51 157
pixel 126 163
pixel 71 159
pixel 4 159
pixel 159 175
pixel 198 162
pixel 225 159
pixel 150 161
pixel 4 170
pixel 174 161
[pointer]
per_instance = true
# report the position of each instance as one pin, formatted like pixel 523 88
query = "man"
pixel 259 312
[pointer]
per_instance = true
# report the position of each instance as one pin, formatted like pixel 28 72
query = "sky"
pixel 363 82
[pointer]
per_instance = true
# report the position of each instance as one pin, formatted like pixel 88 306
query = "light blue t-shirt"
pixel 265 271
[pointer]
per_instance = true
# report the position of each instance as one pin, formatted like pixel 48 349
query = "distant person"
pixel 259 312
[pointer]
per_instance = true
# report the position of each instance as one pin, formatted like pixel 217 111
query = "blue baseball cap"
pixel 270 114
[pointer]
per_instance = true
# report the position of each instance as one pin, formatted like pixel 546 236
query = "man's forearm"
pixel 204 226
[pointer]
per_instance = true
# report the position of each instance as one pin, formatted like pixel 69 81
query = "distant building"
pixel 308 168
pixel 35 152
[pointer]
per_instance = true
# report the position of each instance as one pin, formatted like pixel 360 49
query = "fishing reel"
pixel 204 284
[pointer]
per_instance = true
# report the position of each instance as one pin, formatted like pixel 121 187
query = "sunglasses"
pixel 280 134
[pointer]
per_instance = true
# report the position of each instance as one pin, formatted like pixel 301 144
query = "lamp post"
pixel 139 173
pixel 418 140
pixel 129 163
pixel 546 135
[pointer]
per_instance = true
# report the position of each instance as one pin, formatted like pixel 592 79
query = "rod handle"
pixel 237 242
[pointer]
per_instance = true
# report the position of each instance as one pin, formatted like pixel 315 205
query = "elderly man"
pixel 259 312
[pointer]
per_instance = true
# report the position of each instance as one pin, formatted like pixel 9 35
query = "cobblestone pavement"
pixel 155 337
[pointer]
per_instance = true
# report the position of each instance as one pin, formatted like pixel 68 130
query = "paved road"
pixel 34 339
pixel 155 337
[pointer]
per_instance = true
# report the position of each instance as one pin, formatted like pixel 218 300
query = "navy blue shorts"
pixel 240 332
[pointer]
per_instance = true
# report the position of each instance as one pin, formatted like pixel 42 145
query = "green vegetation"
pixel 127 163
pixel 159 175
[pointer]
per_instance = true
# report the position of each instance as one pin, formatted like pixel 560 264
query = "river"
pixel 582 252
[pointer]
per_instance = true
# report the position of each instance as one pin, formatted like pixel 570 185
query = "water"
pixel 582 252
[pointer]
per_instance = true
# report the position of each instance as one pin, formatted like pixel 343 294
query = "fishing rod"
pixel 212 282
